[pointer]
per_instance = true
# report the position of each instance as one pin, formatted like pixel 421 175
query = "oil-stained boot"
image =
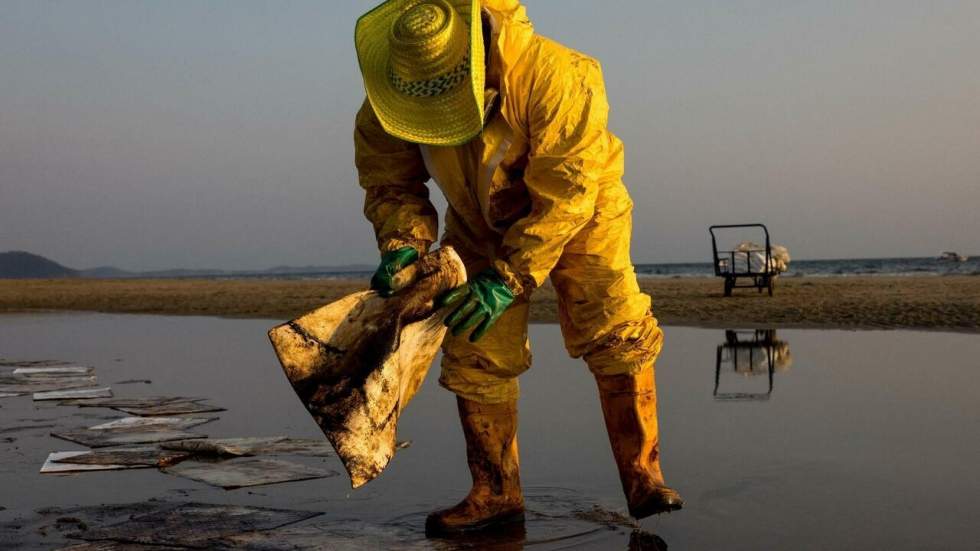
pixel 629 405
pixel 491 452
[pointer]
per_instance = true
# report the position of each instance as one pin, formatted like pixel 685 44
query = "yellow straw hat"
pixel 423 69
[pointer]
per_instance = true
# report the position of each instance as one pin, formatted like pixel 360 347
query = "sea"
pixel 798 268
pixel 833 268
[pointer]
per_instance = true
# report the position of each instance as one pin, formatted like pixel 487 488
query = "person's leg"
pixel 483 375
pixel 629 406
pixel 606 319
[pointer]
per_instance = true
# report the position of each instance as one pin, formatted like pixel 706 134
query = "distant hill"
pixel 24 265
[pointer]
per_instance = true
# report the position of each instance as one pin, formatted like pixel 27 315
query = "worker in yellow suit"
pixel 512 128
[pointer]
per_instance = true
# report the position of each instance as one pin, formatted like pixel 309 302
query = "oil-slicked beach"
pixel 503 275
pixel 854 302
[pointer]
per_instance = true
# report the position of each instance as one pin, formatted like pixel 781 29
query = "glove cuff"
pixel 393 244
pixel 517 285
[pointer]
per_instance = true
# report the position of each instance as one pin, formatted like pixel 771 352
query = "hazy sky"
pixel 156 134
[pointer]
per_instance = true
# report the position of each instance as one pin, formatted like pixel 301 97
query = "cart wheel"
pixel 772 285
pixel 728 287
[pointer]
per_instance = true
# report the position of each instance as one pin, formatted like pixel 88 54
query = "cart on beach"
pixel 753 264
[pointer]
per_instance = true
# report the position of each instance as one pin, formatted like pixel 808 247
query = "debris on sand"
pixel 246 472
pixel 173 423
pixel 134 441
pixel 8 430
pixel 39 377
pixel 143 401
pixel 117 546
pixel 106 438
pixel 145 457
pixel 235 447
pixel 240 447
pixel 32 363
pixel 357 362
pixel 82 394
pixel 59 371
pixel 150 406
pixel 27 385
pixel 351 534
pixel 172 408
pixel 32 531
pixel 194 525
pixel 299 446
pixel 55 465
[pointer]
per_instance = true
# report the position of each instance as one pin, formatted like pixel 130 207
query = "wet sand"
pixel 949 303
pixel 862 441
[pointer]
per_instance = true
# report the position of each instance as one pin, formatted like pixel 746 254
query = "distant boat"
pixel 950 256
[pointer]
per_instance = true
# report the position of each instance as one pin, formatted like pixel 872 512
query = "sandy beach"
pixel 937 303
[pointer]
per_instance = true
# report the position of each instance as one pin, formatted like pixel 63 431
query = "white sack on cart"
pixel 751 256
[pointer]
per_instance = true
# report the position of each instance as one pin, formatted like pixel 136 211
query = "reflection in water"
pixel 507 537
pixel 645 541
pixel 514 537
pixel 751 353
pixel 557 518
pixel 758 477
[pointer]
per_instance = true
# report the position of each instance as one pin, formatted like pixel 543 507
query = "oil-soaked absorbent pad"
pixel 245 472
pixel 54 465
pixel 80 394
pixel 106 438
pixel 172 408
pixel 194 525
pixel 145 457
pixel 173 423
pixel 240 447
pixel 110 460
pixel 149 406
pixel 26 385
pixel 356 363
pixel 57 371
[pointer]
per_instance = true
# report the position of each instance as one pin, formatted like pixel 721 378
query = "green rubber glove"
pixel 392 262
pixel 483 301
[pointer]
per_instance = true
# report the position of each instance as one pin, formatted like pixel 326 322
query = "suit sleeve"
pixel 393 176
pixel 566 125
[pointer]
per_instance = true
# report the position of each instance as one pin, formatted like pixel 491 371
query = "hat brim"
pixel 451 118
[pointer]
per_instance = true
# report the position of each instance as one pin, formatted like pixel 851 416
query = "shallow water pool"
pixel 788 440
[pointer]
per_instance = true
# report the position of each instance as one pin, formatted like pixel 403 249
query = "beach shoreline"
pixel 950 303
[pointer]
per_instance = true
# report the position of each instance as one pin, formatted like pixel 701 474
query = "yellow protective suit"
pixel 539 193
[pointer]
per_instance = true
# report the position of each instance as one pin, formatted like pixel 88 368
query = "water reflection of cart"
pixel 751 264
pixel 750 353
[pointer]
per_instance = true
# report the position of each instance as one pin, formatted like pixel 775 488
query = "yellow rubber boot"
pixel 629 405
pixel 491 451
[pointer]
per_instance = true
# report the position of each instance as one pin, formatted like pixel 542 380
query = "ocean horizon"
pixel 899 266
